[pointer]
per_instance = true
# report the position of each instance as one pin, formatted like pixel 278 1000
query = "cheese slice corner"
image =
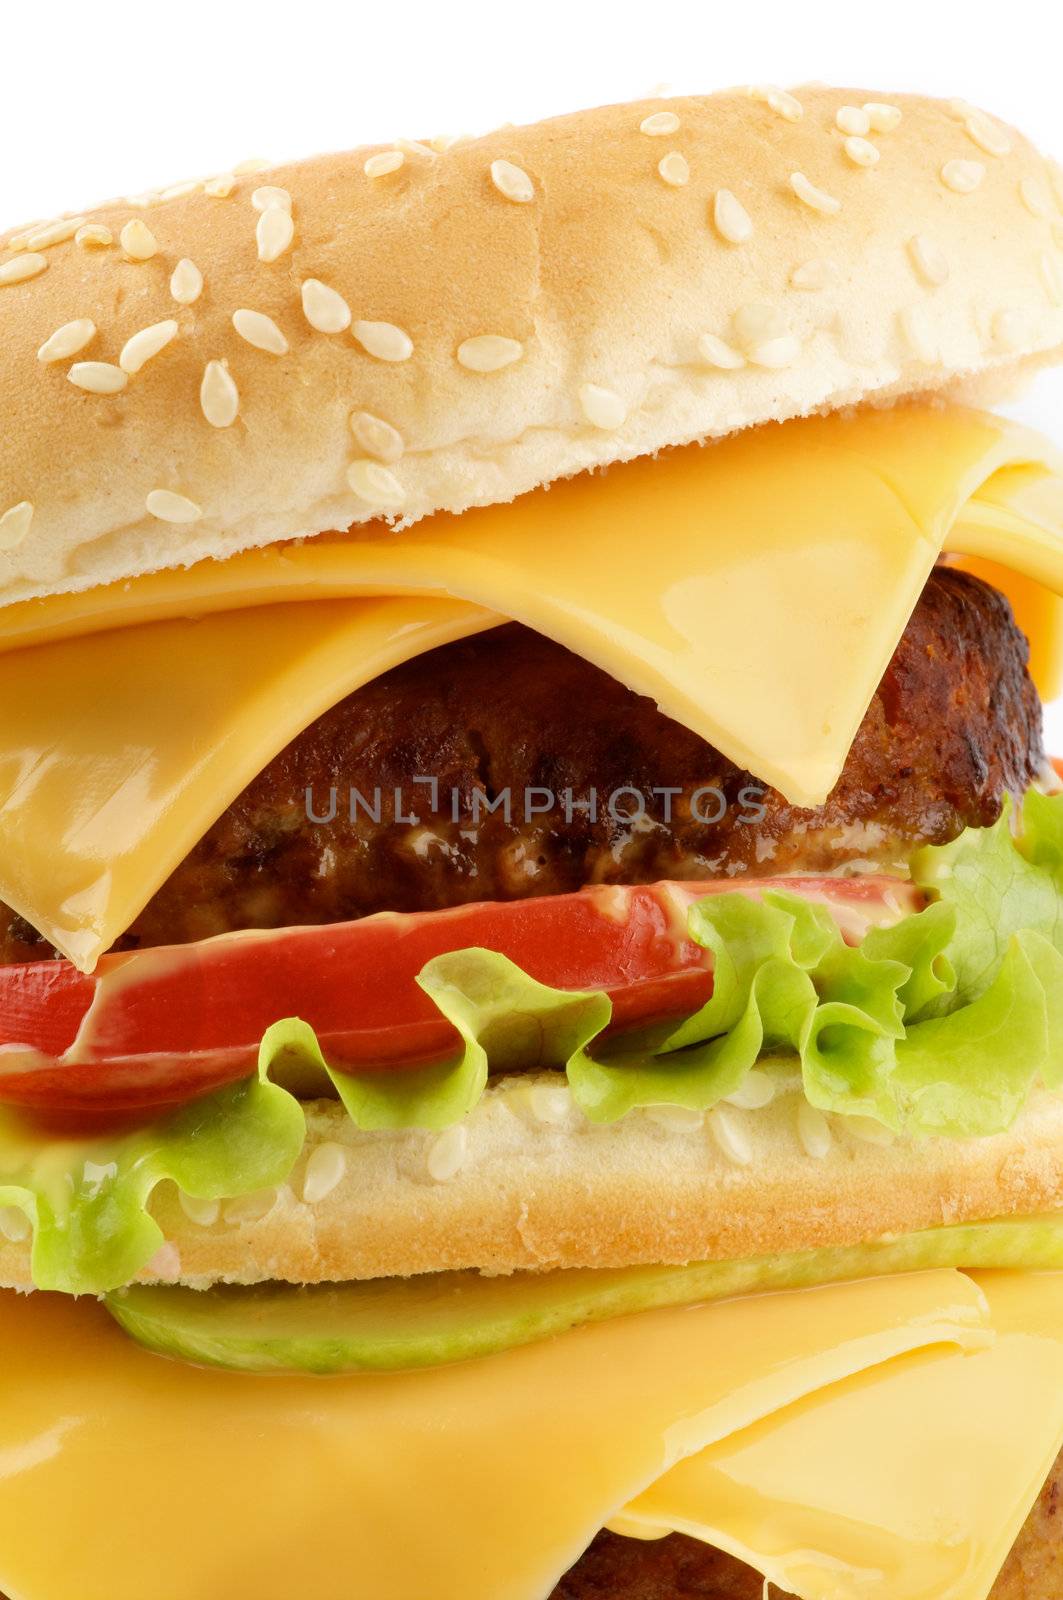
pixel 909 1482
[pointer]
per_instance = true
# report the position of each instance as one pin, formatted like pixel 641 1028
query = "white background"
pixel 112 98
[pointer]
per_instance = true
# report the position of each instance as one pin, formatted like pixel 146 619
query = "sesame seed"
pixel 987 134
pixel 787 105
pixel 98 377
pixel 489 352
pixel 325 309
pixel 446 1155
pixel 853 119
pixel 868 1131
pixel 138 241
pixel 780 101
pixel 376 485
pixel 861 151
pixel 383 340
pixel 1035 197
pixel 928 260
pixel 414 147
pixel 719 354
pixel 178 191
pixel 818 273
pixel 19 241
pixel 55 233
pixel 377 438
pixel 325 1168
pixel 204 1213
pixel 756 1090
pixel 383 162
pixel 186 282
pixel 250 1207
pixel 221 187
pixel 512 181
pixel 730 1136
pixel 962 177
pixel 884 118
pixel 550 1104
pixel 603 408
pixel 674 169
pixel 219 397
pixel 659 122
pixel 94 236
pixel 145 344
pixel 270 195
pixel 15 525
pixel 813 1130
pixel 775 353
pixel 244 169
pixel 1051 277
pixel 732 220
pixel 171 507
pixel 818 199
pixel 14 1224
pixel 757 321
pixel 1011 330
pixel 142 201
pixel 274 233
pixel 19 268
pixel 67 340
pixel 442 142
pixel 676 1119
pixel 261 331
pixel 915 325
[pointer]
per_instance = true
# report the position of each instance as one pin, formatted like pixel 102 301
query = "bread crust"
pixel 535 1194
pixel 608 276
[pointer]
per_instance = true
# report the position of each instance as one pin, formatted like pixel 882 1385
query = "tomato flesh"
pixel 158 1027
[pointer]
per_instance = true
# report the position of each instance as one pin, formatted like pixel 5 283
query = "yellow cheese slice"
pixel 755 588
pixel 910 1482
pixel 679 575
pixel 123 1475
pixel 118 750
pixel 1010 535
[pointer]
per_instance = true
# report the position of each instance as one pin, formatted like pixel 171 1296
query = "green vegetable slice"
pixel 392 1324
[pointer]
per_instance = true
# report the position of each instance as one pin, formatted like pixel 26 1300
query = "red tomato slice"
pixel 158 1027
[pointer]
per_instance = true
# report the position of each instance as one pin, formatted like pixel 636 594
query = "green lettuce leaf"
pixel 998 884
pixel 87 1199
pixel 505 1020
pixel 940 1023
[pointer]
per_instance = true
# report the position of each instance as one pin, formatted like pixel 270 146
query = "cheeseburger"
pixel 531 944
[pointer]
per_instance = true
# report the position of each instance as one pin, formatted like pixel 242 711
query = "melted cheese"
pixel 1010 535
pixel 918 1478
pixel 117 751
pixel 123 1475
pixel 755 589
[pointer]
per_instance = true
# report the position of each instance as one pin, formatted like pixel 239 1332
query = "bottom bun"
pixel 527 1182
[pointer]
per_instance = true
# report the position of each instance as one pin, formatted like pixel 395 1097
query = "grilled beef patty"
pixel 955 723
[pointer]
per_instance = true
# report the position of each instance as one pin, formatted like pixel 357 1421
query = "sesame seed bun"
pixel 526 1182
pixel 400 330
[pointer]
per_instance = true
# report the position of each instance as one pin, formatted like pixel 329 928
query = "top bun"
pixel 422 328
